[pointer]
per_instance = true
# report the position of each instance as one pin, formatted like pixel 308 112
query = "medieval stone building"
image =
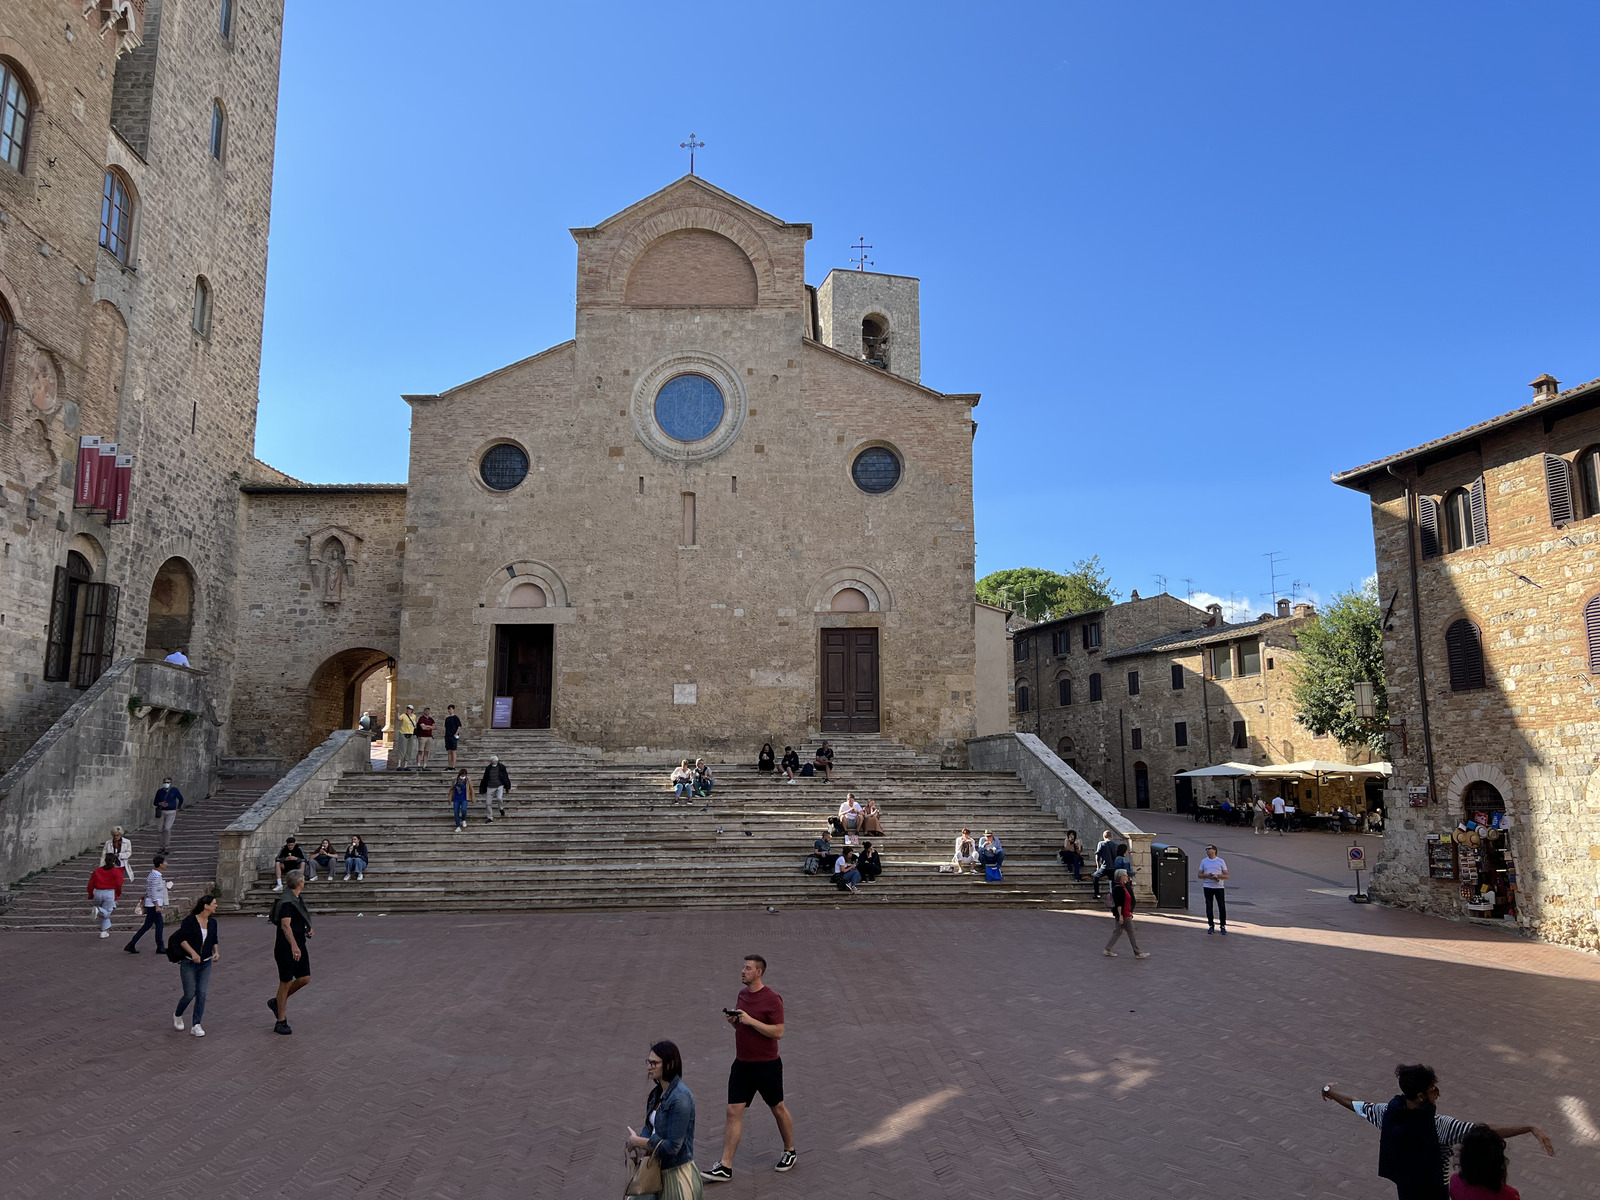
pixel 728 511
pixel 136 149
pixel 1486 542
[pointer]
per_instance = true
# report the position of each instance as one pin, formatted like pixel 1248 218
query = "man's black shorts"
pixel 288 969
pixel 748 1078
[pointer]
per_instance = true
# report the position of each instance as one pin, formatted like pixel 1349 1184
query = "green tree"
pixel 1342 647
pixel 1037 593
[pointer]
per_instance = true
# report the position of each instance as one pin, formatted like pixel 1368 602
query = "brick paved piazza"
pixel 929 1055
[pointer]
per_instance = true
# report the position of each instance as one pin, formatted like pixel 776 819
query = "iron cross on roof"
pixel 691 146
pixel 861 262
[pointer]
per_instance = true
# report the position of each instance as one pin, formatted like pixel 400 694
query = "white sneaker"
pixel 105 933
pixel 177 1023
pixel 346 878
pixel 278 887
pixel 313 879
pixel 360 877
pixel 198 1032
pixel 791 781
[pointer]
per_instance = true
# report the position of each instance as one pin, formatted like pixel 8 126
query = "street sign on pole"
pixel 1356 860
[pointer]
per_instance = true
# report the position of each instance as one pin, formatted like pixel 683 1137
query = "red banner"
pixel 121 486
pixel 88 456
pixel 104 472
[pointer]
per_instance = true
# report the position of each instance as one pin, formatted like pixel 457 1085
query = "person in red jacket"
pixel 1122 908
pixel 105 888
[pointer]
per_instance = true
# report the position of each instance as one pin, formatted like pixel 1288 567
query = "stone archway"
pixel 335 693
pixel 1479 773
pixel 170 624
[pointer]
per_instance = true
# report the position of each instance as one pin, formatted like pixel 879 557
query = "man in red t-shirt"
pixel 425 724
pixel 757 1020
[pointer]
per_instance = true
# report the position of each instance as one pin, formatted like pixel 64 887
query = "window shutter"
pixel 1094 687
pixel 1428 522
pixel 1240 738
pixel 1480 513
pixel 1591 619
pixel 1138 738
pixel 1180 733
pixel 1558 483
pixel 1064 692
pixel 1177 677
pixel 1133 683
pixel 1084 629
pixel 1464 650
pixel 59 638
pixel 99 632
pixel 1022 699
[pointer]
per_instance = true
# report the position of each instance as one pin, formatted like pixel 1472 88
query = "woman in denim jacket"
pixel 668 1130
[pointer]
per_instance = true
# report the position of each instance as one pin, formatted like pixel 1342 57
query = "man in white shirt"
pixel 155 895
pixel 1213 870
pixel 850 813
pixel 1279 815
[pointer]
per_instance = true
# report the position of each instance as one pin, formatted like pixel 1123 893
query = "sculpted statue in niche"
pixel 333 569
pixel 332 553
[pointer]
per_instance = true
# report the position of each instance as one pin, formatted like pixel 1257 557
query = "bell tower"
pixel 873 317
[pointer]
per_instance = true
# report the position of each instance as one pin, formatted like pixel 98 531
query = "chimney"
pixel 1305 610
pixel 1216 614
pixel 1283 607
pixel 1545 387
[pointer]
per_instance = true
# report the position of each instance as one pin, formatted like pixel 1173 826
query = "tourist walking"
pixel 1122 906
pixel 407 728
pixel 105 887
pixel 460 794
pixel 425 724
pixel 667 1134
pixel 356 857
pixel 292 925
pixel 757 1020
pixel 493 786
pixel 195 948
pixel 1260 816
pixel 1213 871
pixel 168 801
pixel 1105 852
pixel 1280 814
pixel 1414 1139
pixel 122 848
pixel 452 734
pixel 155 895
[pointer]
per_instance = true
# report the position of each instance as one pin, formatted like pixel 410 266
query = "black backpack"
pixel 175 953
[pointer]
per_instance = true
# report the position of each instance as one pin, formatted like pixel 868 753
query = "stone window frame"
pixel 1024 696
pixel 115 174
pixel 1468 684
pixel 860 448
pixel 482 449
pixel 204 306
pixel 11 68
pixel 225 16
pixel 1591 624
pixel 735 410
pixel 217 136
pixel 1063 677
pixel 497 589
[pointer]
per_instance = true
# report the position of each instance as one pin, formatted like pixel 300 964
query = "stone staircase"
pixel 583 832
pixel 58 898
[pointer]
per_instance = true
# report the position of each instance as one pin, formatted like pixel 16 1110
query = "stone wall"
pixel 715 643
pixel 250 844
pixel 1532 731
pixel 319 579
pixel 101 763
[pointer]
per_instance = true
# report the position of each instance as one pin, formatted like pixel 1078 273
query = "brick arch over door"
pixel 497 589
pixel 676 220
pixel 1475 773
pixel 863 579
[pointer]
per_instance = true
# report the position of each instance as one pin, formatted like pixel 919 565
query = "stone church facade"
pixel 728 511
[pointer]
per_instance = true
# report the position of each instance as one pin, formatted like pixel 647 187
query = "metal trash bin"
pixel 1169 875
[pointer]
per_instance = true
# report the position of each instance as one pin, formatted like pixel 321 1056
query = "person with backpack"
pixel 1105 851
pixel 1122 906
pixel 194 949
pixel 1414 1140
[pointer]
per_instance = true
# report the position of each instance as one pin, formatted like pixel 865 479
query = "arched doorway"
pixel 335 693
pixel 170 625
pixel 1066 752
pixel 1141 785
pixel 1484 853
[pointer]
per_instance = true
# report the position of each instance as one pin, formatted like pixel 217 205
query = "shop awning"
pixel 1221 771
pixel 1317 768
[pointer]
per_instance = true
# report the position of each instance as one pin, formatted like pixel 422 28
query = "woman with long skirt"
pixel 668 1130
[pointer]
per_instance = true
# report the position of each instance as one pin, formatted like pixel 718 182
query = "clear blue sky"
pixel 1195 256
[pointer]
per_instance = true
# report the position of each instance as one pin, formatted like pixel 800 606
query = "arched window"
pixel 1464 649
pixel 219 129
pixel 1591 621
pixel 16 115
pixel 116 217
pixel 201 321
pixel 225 21
pixel 1587 468
pixel 875 341
pixel 1465 518
pixel 1063 692
pixel 1022 699
pixel 1094 686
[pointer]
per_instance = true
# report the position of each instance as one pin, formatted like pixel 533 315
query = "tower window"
pixel 116 217
pixel 219 129
pixel 875 341
pixel 200 321
pixel 225 20
pixel 16 110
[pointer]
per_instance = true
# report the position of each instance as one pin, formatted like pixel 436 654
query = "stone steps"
pixel 588 833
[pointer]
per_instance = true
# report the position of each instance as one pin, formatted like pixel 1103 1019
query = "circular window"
pixel 504 466
pixel 689 407
pixel 876 470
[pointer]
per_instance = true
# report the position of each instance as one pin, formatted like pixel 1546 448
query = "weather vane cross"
pixel 691 146
pixel 861 262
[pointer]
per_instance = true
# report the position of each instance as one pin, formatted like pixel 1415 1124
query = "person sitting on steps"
pixel 850 811
pixel 823 847
pixel 790 764
pixel 870 819
pixel 682 781
pixel 323 857
pixel 822 761
pixel 704 780
pixel 290 858
pixel 966 855
pixel 869 864
pixel 766 760
pixel 356 858
pixel 845 875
